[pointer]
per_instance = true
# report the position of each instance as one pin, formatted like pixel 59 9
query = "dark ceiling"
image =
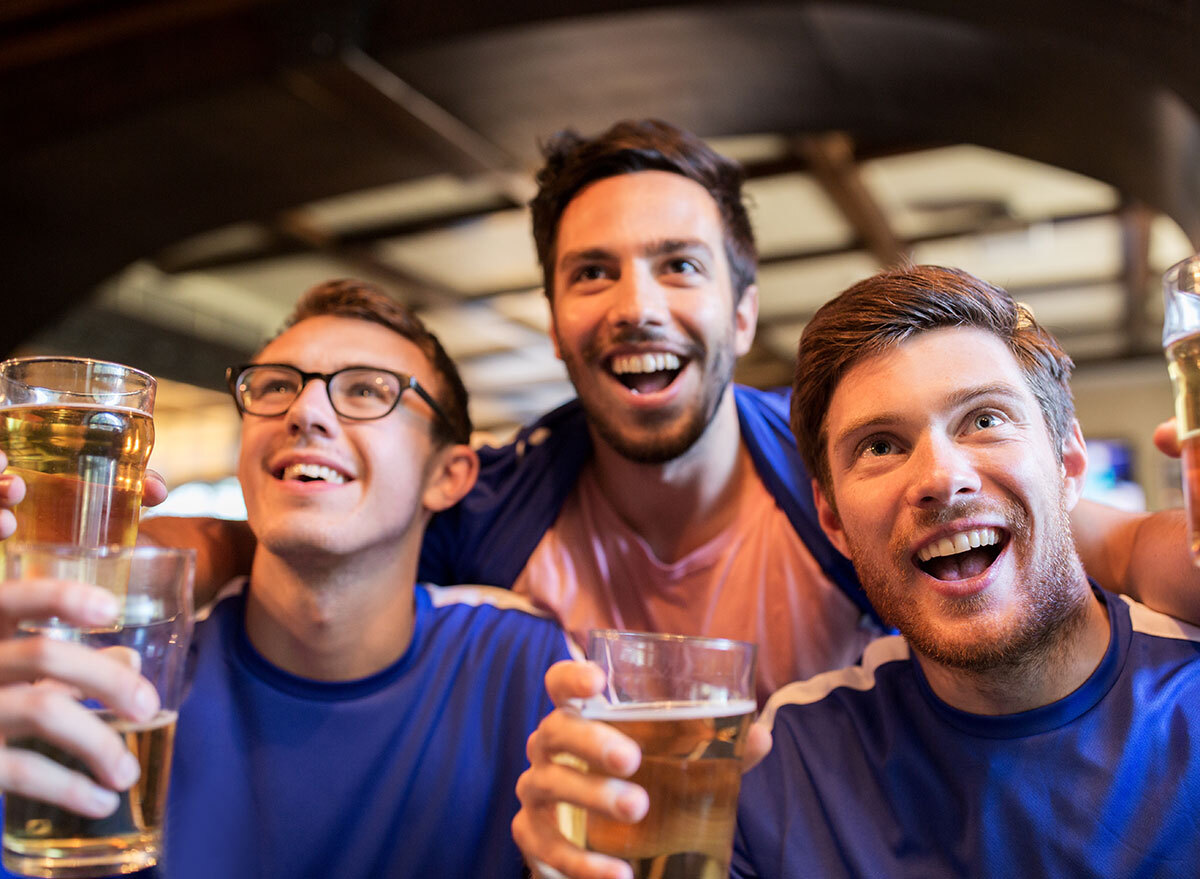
pixel 128 126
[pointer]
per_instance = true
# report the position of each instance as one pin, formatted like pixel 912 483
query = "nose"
pixel 311 411
pixel 639 299
pixel 941 471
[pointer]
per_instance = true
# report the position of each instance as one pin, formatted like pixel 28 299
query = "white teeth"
pixel 630 363
pixel 960 542
pixel 313 471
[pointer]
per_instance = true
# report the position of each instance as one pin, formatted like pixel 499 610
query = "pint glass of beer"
pixel 153 631
pixel 1181 339
pixel 688 703
pixel 79 433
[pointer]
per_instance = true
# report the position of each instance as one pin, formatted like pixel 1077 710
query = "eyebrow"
pixel 953 401
pixel 661 247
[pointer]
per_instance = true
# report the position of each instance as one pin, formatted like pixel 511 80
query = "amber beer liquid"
pixel 1183 363
pixel 83 467
pixel 41 839
pixel 691 769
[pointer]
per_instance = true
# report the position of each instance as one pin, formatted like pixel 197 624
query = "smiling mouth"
pixel 646 373
pixel 962 555
pixel 310 473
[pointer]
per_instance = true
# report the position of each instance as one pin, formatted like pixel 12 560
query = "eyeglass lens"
pixel 354 393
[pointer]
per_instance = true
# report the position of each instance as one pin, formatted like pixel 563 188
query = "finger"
pixel 154 489
pixel 573 679
pixel 554 783
pixel 52 717
pixel 96 676
pixel 40 778
pixel 12 489
pixel 538 838
pixel 600 746
pixel 1166 438
pixel 758 745
pixel 79 604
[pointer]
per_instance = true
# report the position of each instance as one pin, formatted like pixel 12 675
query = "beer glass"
pixel 79 432
pixel 1181 340
pixel 155 587
pixel 688 703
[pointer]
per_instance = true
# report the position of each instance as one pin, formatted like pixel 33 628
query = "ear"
pixel 831 522
pixel 1074 465
pixel 745 320
pixel 452 473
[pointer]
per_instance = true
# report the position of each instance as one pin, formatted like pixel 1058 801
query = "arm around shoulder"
pixel 224 548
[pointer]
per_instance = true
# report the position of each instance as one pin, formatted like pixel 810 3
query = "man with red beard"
pixel 1025 722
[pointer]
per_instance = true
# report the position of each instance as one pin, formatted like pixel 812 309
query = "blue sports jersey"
pixel 407 773
pixel 872 775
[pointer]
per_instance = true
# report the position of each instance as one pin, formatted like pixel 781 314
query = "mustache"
pixel 1012 514
pixel 639 335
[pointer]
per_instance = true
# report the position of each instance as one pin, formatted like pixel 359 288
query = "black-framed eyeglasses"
pixel 359 393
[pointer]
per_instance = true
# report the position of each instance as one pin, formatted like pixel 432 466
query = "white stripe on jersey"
pixel 501 599
pixel 890 648
pixel 1151 622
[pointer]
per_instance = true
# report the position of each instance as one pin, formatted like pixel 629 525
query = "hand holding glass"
pixel 1181 339
pixel 79 432
pixel 154 586
pixel 688 703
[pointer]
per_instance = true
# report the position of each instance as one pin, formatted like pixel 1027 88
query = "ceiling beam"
pixel 352 80
pixel 830 157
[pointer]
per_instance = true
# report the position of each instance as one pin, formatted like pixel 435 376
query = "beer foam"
pixel 691 710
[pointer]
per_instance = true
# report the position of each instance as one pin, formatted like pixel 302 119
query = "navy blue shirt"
pixel 871 774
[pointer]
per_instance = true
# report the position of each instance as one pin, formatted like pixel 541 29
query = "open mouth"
pixel 311 473
pixel 646 373
pixel 963 555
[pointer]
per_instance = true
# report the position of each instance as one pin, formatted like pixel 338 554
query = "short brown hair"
pixel 346 297
pixel 572 162
pixel 892 306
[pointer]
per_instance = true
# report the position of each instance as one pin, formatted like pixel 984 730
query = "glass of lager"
pixel 153 634
pixel 1181 339
pixel 79 432
pixel 688 703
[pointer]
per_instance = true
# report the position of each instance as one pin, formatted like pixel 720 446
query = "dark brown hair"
pixel 890 307
pixel 346 297
pixel 572 162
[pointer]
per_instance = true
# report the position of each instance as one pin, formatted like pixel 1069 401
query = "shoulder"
pixel 500 612
pixel 815 694
pixel 1151 623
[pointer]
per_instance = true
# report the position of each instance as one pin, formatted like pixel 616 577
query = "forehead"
pixel 328 343
pixel 631 210
pixel 925 373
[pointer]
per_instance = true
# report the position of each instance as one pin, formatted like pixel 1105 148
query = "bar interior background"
pixel 173 174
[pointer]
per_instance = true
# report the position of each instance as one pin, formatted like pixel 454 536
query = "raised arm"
pixel 1144 555
pixel 224 548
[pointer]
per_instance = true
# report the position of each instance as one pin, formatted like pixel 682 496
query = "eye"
pixel 876 447
pixel 589 272
pixel 365 390
pixel 986 420
pixel 683 266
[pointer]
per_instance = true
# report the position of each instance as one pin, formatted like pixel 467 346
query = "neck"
pixel 331 619
pixel 679 505
pixel 1053 671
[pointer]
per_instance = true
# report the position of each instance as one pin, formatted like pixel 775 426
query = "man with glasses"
pixel 341 721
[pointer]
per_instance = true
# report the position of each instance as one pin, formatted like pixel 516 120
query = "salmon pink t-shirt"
pixel 755 581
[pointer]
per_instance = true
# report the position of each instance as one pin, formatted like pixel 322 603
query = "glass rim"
pixel 67 358
pixel 1175 267
pixel 673 638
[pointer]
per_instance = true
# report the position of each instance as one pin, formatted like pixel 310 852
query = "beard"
pixel 659 437
pixel 1049 605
